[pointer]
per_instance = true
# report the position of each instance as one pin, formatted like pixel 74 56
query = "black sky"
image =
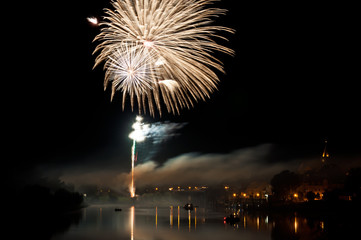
pixel 293 83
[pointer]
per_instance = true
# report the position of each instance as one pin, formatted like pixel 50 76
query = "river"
pixel 174 222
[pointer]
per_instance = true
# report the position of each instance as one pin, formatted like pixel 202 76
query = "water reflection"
pixel 171 216
pixel 248 221
pixel 132 216
pixel 191 214
pixel 189 219
pixel 195 218
pixel 156 217
pixel 178 216
pixel 175 223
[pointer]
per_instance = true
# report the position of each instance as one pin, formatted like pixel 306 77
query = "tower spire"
pixel 325 156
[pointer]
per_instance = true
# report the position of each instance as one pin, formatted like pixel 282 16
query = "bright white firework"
pixel 130 68
pixel 93 20
pixel 140 131
pixel 170 84
pixel 138 135
pixel 178 41
pixel 157 132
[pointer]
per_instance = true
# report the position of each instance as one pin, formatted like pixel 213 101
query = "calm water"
pixel 158 223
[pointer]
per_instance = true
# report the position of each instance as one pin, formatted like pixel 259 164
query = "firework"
pixel 171 43
pixel 156 132
pixel 92 20
pixel 129 69
pixel 138 135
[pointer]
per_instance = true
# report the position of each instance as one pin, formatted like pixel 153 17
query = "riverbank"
pixel 317 207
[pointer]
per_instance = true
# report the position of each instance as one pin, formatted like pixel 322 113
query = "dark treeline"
pixel 43 200
pixel 341 186
pixel 42 208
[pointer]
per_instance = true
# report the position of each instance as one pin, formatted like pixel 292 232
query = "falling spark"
pixel 162 40
pixel 93 20
pixel 170 84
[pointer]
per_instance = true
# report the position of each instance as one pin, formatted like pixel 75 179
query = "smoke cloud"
pixel 242 166
pixel 150 136
pixel 162 131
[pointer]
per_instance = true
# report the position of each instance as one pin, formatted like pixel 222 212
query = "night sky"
pixel 292 84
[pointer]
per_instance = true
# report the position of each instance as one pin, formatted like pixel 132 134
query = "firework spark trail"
pixel 156 132
pixel 129 69
pixel 132 187
pixel 138 135
pixel 172 43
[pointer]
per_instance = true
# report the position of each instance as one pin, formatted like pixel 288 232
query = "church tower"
pixel 325 156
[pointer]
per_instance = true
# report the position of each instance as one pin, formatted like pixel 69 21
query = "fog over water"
pixel 174 222
pixel 243 166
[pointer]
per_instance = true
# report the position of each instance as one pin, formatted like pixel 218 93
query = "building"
pixel 325 157
pixel 326 178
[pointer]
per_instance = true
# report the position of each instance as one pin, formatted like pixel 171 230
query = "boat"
pixel 231 219
pixel 188 206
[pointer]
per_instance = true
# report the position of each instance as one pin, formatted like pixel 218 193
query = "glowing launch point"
pixel 140 130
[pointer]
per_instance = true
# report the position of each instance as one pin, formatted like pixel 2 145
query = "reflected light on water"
pixel 132 223
pixel 195 218
pixel 296 225
pixel 178 216
pixel 156 217
pixel 322 223
pixel 101 222
pixel 171 216
pixel 189 220
pixel 100 219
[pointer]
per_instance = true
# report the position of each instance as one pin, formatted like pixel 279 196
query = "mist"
pixel 242 166
pixel 154 135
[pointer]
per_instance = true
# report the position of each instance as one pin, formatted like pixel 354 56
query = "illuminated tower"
pixel 325 156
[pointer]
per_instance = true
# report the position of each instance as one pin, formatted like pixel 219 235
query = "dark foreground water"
pixel 174 222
